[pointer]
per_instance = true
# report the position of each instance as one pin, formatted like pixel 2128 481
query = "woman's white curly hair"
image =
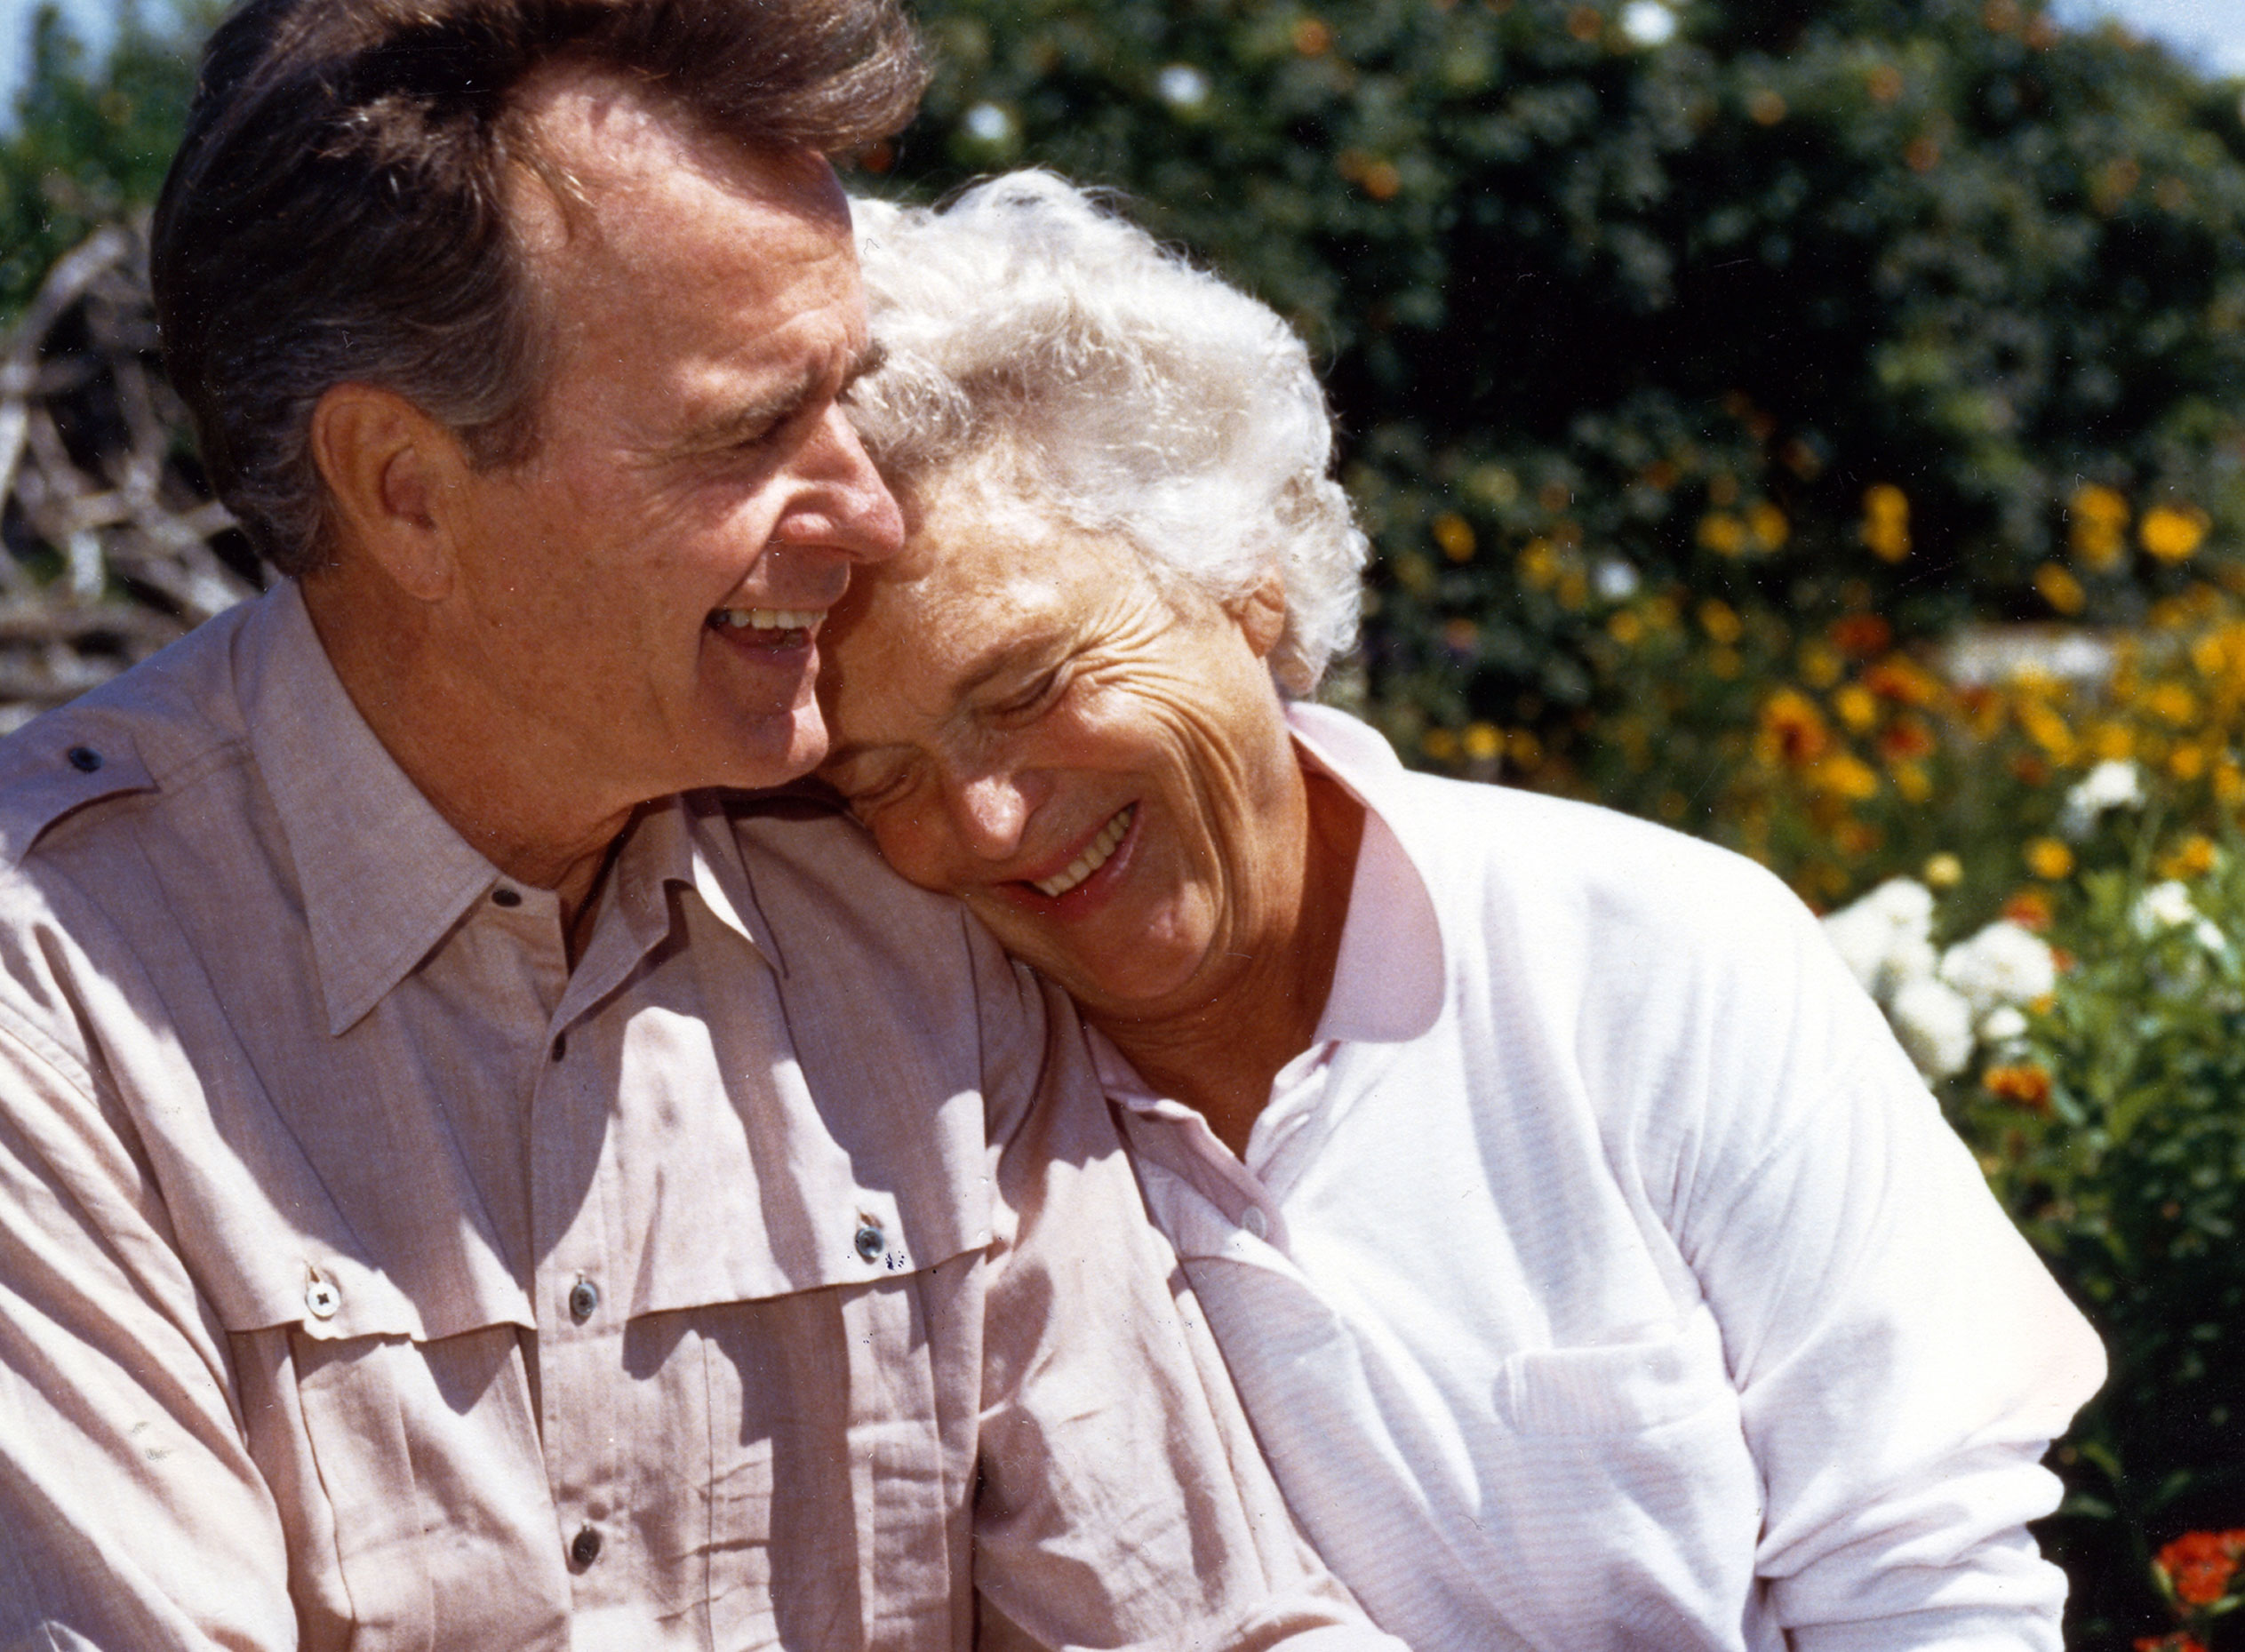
pixel 1039 343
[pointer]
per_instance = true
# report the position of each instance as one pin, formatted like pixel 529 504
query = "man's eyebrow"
pixel 749 419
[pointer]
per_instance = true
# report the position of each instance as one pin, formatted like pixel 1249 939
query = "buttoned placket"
pixel 581 1307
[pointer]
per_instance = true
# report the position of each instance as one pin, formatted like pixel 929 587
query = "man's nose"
pixel 841 502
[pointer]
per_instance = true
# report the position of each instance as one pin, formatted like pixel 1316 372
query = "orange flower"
pixel 2025 1085
pixel 2198 1565
pixel 2030 909
pixel 1861 635
pixel 1898 677
pixel 1904 738
pixel 1793 729
pixel 2048 859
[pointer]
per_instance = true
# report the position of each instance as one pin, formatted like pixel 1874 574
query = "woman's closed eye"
pixel 1029 700
pixel 867 789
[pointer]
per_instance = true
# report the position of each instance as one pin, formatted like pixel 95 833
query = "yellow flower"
pixel 1820 665
pixel 1573 589
pixel 2060 589
pixel 2172 534
pixel 1525 750
pixel 1886 522
pixel 1625 628
pixel 1944 871
pixel 1912 782
pixel 1768 525
pixel 2048 859
pixel 1858 707
pixel 1721 621
pixel 2186 762
pixel 1726 663
pixel 2172 703
pixel 1440 744
pixel 1455 535
pixel 2046 729
pixel 1722 533
pixel 2229 782
pixel 2209 655
pixel 2113 740
pixel 1538 564
pixel 2193 858
pixel 2099 518
pixel 1482 741
pixel 1843 774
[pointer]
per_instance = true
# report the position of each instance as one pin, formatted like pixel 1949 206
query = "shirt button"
pixel 1257 1223
pixel 584 1296
pixel 870 1241
pixel 84 759
pixel 320 1299
pixel 584 1548
pixel 503 896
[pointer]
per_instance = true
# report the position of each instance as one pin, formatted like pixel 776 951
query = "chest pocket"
pixel 1645 1495
pixel 410 1486
pixel 1617 1388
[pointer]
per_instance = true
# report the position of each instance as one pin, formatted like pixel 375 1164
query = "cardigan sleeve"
pixel 1903 1358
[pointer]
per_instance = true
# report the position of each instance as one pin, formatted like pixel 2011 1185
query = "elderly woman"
pixel 1594 1268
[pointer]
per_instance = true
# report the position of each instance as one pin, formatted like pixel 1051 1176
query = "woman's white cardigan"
pixel 1606 1277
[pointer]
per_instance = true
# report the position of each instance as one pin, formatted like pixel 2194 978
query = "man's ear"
pixel 1260 613
pixel 389 470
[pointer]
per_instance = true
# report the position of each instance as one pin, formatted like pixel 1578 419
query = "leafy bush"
pixel 2106 1100
pixel 1803 308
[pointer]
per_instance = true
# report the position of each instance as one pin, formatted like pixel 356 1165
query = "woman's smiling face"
pixel 1099 768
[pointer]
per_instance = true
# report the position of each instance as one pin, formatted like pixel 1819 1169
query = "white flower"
pixel 1183 85
pixel 2112 784
pixel 1934 1024
pixel 2169 905
pixel 1647 22
pixel 2001 1024
pixel 2002 964
pixel 1886 938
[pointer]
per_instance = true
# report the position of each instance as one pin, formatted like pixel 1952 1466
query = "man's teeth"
pixel 1094 856
pixel 768 618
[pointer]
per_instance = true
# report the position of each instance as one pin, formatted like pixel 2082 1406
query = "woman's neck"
pixel 1219 1057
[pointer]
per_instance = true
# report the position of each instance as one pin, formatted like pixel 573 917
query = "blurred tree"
pixel 92 137
pixel 1825 307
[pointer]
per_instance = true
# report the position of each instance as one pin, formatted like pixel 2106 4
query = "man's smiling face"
pixel 647 586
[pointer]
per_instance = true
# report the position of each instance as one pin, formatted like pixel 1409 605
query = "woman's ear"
pixel 388 467
pixel 1260 613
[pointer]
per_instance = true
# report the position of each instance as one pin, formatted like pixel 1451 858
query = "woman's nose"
pixel 990 811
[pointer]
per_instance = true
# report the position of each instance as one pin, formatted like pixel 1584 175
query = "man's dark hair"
pixel 337 208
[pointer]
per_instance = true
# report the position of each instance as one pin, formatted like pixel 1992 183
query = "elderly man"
pixel 467 1180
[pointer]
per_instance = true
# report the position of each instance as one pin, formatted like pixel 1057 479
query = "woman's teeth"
pixel 1094 856
pixel 768 618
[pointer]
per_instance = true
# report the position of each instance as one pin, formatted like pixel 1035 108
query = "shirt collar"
pixel 383 875
pixel 1387 979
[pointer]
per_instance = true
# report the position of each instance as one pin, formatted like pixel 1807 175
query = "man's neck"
pixel 1221 1056
pixel 496 788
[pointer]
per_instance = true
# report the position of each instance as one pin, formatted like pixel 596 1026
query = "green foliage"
pixel 2130 1178
pixel 91 140
pixel 1667 312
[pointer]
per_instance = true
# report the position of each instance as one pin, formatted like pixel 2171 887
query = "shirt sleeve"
pixel 1903 1358
pixel 1123 1503
pixel 130 1513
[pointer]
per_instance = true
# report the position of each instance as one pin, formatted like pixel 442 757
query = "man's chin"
pixel 774 750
